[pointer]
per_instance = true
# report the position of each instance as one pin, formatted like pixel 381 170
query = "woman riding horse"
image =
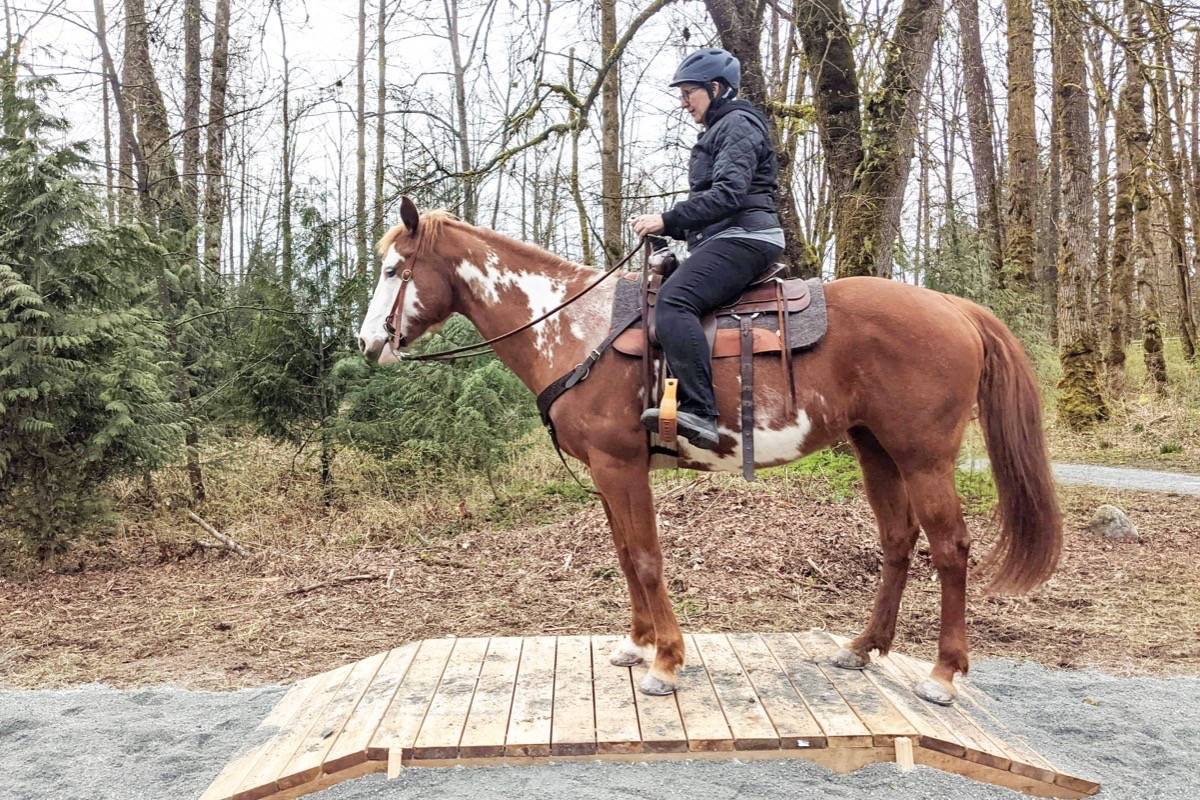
pixel 729 221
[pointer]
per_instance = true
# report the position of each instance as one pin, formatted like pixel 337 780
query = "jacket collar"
pixel 716 112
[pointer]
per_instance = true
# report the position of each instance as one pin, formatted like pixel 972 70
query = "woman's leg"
pixel 714 275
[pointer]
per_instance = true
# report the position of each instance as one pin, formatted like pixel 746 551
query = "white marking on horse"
pixel 542 294
pixel 372 329
pixel 771 447
pixel 480 279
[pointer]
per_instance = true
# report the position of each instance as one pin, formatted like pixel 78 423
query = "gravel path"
pixel 1145 480
pixel 1139 736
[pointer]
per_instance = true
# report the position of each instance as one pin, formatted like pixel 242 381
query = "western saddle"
pixel 756 323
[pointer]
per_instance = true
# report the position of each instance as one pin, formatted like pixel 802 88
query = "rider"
pixel 730 222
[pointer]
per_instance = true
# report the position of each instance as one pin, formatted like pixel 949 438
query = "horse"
pixel 897 376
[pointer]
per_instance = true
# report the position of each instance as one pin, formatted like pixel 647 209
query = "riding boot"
pixel 698 430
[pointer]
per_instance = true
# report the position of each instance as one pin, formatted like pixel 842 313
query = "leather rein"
pixel 397 341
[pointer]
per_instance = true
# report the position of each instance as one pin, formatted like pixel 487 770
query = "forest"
pixel 192 192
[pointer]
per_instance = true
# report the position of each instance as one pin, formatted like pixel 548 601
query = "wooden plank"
pixel 977 746
pixel 793 721
pixel 533 700
pixel 260 780
pixel 841 725
pixel 443 724
pixel 402 719
pixel 904 753
pixel 616 709
pixel 658 718
pixel 279 719
pixel 932 732
pixel 573 732
pixel 487 723
pixel 352 745
pixel 703 719
pixel 873 708
pixel 308 760
pixel 751 727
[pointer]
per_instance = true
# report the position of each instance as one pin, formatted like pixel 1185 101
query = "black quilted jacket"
pixel 732 177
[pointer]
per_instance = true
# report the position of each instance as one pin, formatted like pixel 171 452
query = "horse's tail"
pixel 1010 413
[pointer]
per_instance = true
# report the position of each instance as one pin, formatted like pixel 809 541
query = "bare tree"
pixel 1022 145
pixel 360 154
pixel 610 137
pixel 1080 402
pixel 191 110
pixel 214 160
pixel 979 115
pixel 868 172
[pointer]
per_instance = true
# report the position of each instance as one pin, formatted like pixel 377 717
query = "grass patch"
pixel 831 475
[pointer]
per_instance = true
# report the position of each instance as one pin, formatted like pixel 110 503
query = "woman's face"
pixel 694 100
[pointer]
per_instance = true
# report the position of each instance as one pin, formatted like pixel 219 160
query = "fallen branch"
pixel 335 582
pixel 226 542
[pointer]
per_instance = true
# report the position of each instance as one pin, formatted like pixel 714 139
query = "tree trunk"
pixel 1100 292
pixel 380 116
pixel 153 128
pixel 585 238
pixel 1080 403
pixel 109 209
pixel 1169 167
pixel 610 137
pixel 470 201
pixel 979 115
pixel 285 201
pixel 360 154
pixel 214 162
pixel 191 111
pixel 869 179
pixel 1131 199
pixel 1019 256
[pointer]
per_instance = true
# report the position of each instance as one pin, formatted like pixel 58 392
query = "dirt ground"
pixel 769 556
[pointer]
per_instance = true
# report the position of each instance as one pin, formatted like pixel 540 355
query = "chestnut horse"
pixel 898 376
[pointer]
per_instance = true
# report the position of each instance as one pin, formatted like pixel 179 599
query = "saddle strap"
pixel 747 336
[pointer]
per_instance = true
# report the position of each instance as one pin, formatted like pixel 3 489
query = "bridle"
pixel 392 323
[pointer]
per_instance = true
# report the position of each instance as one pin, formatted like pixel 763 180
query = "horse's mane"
pixel 429 230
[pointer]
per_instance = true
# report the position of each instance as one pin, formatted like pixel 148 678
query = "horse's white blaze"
pixel 372 331
pixel 770 446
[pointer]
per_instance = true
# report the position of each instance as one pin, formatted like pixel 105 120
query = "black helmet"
pixel 708 65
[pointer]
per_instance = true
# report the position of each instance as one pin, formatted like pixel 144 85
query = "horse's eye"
pixel 390 272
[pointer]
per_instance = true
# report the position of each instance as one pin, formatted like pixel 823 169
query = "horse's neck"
pixel 508 284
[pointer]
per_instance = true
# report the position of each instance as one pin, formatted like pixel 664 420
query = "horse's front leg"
pixel 638 646
pixel 625 488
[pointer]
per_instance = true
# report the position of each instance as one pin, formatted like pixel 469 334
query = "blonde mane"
pixel 428 231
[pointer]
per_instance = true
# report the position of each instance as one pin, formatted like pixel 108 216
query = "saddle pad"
pixel 805 328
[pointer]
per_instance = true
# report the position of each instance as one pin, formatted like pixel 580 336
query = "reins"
pixel 479 348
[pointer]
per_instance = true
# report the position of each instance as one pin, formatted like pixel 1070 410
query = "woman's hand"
pixel 647 224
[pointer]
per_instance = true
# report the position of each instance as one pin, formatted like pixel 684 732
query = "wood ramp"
pixel 506 700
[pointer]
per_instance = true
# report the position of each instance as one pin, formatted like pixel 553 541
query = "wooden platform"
pixel 444 702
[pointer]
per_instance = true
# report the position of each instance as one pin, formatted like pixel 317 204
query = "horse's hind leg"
pixel 898 531
pixel 935 499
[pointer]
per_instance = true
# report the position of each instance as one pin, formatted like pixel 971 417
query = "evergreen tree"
pixel 82 392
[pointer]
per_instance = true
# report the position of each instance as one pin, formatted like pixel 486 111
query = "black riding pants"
pixel 714 275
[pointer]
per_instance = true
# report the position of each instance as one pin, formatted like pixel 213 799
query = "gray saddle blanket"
pixel 805 328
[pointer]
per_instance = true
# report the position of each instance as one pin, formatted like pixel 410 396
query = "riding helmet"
pixel 708 65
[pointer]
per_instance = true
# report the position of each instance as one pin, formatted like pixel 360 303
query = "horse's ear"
pixel 409 215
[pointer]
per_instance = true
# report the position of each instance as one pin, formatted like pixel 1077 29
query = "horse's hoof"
pixel 629 654
pixel 654 686
pixel 935 692
pixel 848 659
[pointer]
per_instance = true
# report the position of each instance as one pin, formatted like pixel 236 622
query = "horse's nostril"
pixel 362 344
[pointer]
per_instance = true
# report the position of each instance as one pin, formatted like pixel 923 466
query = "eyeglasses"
pixel 684 94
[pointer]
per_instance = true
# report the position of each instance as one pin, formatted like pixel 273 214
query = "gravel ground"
pixel 1127 478
pixel 1140 737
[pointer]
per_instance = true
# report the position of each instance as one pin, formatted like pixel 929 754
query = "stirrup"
pixel 667 412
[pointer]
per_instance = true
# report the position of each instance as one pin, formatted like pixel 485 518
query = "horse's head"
pixel 414 293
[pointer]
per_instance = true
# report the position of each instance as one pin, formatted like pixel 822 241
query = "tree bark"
pixel 380 117
pixel 610 137
pixel 1080 403
pixel 1022 146
pixel 109 208
pixel 153 128
pixel 285 200
pixel 214 160
pixel 470 200
pixel 360 154
pixel 868 178
pixel 1171 170
pixel 191 111
pixel 979 116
